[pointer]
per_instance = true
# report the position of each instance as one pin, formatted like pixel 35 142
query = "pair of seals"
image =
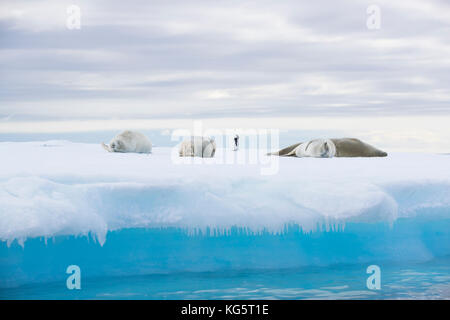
pixel 197 146
pixel 328 148
pixel 129 141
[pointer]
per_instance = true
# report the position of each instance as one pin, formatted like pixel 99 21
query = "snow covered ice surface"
pixel 62 188
pixel 311 212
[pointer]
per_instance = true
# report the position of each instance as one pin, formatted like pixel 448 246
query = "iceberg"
pixel 63 203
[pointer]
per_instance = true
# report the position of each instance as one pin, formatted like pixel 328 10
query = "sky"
pixel 283 63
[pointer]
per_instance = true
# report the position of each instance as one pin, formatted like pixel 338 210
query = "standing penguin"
pixel 236 143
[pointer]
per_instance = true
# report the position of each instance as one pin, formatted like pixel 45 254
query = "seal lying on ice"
pixel 196 146
pixel 129 141
pixel 328 148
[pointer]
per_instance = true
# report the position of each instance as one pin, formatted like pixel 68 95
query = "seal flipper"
pixel 107 148
pixel 286 152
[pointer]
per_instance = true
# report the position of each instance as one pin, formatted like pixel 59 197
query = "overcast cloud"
pixel 165 59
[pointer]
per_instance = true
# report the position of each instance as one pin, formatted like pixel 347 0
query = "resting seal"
pixel 129 141
pixel 328 148
pixel 203 147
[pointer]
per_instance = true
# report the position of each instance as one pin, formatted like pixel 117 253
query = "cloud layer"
pixel 165 59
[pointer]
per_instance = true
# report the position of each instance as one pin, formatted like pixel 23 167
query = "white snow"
pixel 62 188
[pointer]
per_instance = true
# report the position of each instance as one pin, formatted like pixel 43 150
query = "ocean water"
pixel 429 280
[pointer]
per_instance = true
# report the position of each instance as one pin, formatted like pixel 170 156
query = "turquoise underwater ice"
pixel 172 264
